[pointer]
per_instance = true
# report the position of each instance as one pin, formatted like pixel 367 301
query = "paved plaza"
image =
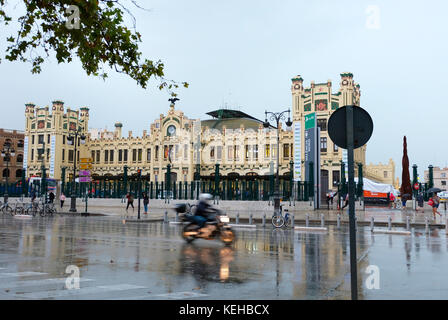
pixel 124 259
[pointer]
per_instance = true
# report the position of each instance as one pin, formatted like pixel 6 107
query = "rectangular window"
pixel 120 155
pixel 92 154
pixel 286 151
pixel 32 139
pixel 323 144
pixel 98 158
pixel 335 148
pixel 443 183
pixel 125 155
pixel 32 154
pixel 106 156
pixel 40 139
pixel 230 153
pixel 63 139
pixel 212 153
pixel 255 151
pixel 218 152
pixel 70 155
pixel 336 178
pixel 157 153
pixel 385 174
pixel 134 155
pixel 267 151
pixel 165 152
pixel 274 151
pixel 140 153
pixel 148 155
pixel 63 155
pixel 111 156
pixel 237 153
pixel 322 124
pixel 246 152
pixel 177 155
pixel 48 138
pixel 443 175
pixel 291 149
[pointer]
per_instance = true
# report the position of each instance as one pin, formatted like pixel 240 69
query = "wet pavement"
pixel 119 260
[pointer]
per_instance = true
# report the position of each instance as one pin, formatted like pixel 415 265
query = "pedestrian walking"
pixel 346 201
pixel 392 200
pixel 51 197
pixel 435 205
pixel 420 202
pixel 130 201
pixel 145 202
pixel 62 199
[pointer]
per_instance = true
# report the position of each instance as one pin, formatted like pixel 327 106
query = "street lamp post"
pixel 277 117
pixel 7 152
pixel 73 138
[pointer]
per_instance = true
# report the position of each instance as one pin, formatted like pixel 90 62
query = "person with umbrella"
pixel 434 201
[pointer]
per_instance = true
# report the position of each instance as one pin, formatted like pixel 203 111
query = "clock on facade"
pixel 171 130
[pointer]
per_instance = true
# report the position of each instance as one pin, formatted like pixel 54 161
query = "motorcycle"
pixel 219 226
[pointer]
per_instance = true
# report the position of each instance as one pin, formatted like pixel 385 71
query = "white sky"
pixel 244 54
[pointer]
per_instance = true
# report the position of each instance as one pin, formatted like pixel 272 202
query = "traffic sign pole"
pixel 351 203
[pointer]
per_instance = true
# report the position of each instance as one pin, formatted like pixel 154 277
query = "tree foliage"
pixel 101 41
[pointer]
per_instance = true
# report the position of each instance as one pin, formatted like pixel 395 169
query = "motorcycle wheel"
pixel 278 221
pixel 189 233
pixel 227 236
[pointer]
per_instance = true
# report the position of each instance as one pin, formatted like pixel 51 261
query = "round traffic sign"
pixel 416 186
pixel 362 127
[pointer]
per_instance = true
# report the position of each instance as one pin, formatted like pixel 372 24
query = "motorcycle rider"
pixel 204 213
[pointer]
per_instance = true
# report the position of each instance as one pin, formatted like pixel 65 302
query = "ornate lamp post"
pixel 7 152
pixel 277 117
pixel 73 138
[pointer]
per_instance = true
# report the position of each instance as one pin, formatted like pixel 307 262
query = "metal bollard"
pixel 338 221
pixel 250 218
pixel 407 223
pixel 237 218
pixel 165 219
pixel 307 220
pixel 426 225
pixel 264 220
pixel 389 223
pixel 322 221
pixel 372 224
pixel 292 220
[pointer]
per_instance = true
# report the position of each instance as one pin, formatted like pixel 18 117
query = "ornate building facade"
pixel 231 141
pixel 12 168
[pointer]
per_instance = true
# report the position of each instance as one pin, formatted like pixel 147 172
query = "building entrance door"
pixel 323 186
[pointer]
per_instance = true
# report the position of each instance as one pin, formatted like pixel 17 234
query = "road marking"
pixel 37 282
pixel 81 291
pixel 21 274
pixel 181 295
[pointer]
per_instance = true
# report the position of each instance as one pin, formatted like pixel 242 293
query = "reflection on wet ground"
pixel 151 261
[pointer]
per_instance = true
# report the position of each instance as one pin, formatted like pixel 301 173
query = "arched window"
pixel 5 173
pixel 19 173
pixel 20 158
pixel 20 144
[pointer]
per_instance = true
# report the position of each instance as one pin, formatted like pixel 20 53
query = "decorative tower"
pixel 297 92
pixel 347 89
pixel 84 120
pixel 118 127
pixel 58 113
pixel 29 115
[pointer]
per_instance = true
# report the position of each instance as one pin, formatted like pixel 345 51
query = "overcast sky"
pixel 243 54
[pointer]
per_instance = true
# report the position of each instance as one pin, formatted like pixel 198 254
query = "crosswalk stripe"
pixel 174 295
pixel 21 274
pixel 80 291
pixel 37 282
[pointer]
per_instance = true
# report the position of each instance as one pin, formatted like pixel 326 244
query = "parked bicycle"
pixel 18 208
pixel 280 220
pixel 6 208
pixel 32 208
